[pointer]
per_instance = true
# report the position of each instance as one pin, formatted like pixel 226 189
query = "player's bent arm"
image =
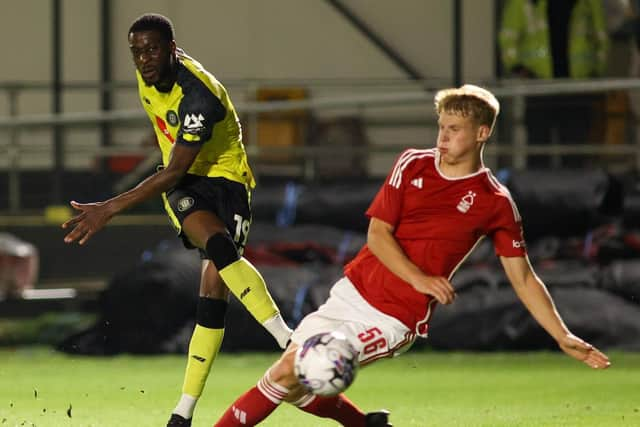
pixel 386 248
pixel 181 160
pixel 383 244
pixel 534 295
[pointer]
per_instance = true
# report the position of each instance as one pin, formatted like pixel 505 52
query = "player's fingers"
pixel 596 364
pixel 443 296
pixel 442 299
pixel 69 238
pixel 591 356
pixel 597 359
pixel 600 355
pixel 86 237
pixel 74 220
pixel 448 287
pixel 435 292
pixel 74 234
pixel 447 290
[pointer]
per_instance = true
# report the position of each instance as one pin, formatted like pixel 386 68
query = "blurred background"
pixel 329 93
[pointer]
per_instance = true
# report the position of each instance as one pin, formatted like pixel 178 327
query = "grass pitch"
pixel 39 387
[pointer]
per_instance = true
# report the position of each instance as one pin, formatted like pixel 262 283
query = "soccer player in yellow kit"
pixel 205 183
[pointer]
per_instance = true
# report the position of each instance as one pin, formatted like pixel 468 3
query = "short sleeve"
pixel 507 232
pixel 387 204
pixel 199 111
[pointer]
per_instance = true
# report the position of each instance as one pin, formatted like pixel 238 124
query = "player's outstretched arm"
pixel 93 216
pixel 534 295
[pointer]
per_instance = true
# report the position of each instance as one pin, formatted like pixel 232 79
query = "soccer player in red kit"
pixel 430 213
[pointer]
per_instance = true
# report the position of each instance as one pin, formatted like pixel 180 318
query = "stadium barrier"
pixel 404 106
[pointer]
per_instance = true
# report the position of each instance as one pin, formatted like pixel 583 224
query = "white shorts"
pixel 374 334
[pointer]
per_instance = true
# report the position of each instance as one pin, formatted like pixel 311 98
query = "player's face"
pixel 459 138
pixel 153 56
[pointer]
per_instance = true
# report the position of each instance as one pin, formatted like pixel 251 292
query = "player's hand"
pixel 92 217
pixel 583 351
pixel 438 287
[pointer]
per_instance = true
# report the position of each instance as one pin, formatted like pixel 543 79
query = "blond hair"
pixel 469 101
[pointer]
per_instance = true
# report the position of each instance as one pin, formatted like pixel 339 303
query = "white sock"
pixel 280 331
pixel 304 400
pixel 186 406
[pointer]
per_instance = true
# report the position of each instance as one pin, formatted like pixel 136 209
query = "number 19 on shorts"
pixel 242 230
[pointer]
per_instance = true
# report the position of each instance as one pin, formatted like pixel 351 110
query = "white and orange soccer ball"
pixel 326 364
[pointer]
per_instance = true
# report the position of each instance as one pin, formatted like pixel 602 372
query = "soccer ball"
pixel 326 364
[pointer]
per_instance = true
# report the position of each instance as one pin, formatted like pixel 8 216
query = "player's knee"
pixel 282 371
pixel 221 250
pixel 212 286
pixel 296 393
pixel 211 312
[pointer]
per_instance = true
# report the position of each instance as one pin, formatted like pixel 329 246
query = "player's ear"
pixel 483 133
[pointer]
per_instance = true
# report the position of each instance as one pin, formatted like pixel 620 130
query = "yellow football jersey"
pixel 198 111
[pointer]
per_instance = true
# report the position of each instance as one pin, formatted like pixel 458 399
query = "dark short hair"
pixel 153 22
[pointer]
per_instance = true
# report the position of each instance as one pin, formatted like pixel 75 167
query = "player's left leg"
pixel 378 419
pixel 207 232
pixel 343 410
pixel 338 408
pixel 214 215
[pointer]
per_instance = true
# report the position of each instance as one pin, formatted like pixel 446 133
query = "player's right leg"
pixel 372 333
pixel 204 345
pixel 280 384
pixel 261 400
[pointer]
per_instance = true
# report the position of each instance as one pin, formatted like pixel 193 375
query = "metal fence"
pixel 398 107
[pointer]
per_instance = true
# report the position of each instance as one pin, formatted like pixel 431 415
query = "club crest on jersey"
pixel 193 123
pixel 172 118
pixel 185 203
pixel 466 202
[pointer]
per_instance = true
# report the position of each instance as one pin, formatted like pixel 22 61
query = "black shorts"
pixel 228 200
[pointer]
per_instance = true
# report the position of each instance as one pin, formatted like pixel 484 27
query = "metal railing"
pixel 512 145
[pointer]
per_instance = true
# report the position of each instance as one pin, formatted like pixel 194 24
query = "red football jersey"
pixel 437 221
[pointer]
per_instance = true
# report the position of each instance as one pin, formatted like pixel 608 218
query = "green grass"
pixel 38 386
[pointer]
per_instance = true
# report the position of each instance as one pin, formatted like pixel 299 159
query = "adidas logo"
pixel 191 121
pixel 239 415
pixel 417 182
